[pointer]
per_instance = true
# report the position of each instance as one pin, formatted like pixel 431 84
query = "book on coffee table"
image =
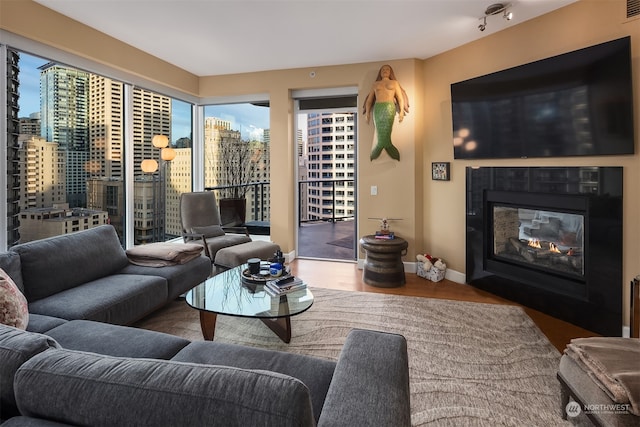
pixel 282 287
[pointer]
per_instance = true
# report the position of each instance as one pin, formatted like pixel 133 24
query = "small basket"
pixel 433 274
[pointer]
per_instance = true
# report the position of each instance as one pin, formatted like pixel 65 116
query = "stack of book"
pixel 284 285
pixel 389 235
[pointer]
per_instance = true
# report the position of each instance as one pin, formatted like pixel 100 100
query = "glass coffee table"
pixel 227 294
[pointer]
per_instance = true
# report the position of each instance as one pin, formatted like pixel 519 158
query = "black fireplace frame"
pixel 594 301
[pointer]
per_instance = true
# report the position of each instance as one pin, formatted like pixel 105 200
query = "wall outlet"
pixel 374 190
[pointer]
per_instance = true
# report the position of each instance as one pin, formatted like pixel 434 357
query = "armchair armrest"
pixel 370 384
pixel 190 237
pixel 236 230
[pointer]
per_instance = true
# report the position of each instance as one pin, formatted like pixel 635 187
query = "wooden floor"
pixel 346 276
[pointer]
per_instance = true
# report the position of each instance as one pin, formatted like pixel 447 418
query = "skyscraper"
pixel 64 114
pixel 330 157
pixel 13 146
pixel 64 106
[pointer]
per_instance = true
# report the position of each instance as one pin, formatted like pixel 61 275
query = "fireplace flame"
pixel 553 248
pixel 535 243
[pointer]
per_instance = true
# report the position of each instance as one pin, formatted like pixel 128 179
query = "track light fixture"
pixel 482 26
pixel 496 9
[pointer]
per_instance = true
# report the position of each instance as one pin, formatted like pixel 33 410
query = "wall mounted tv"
pixel 575 104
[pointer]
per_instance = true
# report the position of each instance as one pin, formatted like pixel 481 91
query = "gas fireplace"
pixel 551 239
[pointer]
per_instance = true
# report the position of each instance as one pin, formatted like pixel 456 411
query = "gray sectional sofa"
pixel 79 364
pixel 87 275
pixel 121 378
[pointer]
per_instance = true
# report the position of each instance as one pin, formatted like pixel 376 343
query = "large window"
pixel 237 163
pixel 68 146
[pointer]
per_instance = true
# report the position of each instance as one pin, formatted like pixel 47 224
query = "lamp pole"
pixel 159 197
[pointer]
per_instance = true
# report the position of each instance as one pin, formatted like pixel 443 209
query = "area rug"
pixel 470 363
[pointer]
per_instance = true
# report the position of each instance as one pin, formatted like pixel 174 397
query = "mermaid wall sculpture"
pixel 386 98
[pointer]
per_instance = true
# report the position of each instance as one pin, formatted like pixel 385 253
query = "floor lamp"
pixel 167 154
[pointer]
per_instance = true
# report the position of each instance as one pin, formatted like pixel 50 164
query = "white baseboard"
pixel 410 267
pixel 626 331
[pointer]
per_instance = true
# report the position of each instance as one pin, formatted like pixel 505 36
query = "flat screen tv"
pixel 575 104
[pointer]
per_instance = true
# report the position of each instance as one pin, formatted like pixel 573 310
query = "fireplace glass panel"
pixel 541 239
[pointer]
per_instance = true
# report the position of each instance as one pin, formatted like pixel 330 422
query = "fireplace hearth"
pixel 550 239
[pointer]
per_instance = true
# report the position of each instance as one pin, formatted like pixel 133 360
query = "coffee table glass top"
pixel 225 293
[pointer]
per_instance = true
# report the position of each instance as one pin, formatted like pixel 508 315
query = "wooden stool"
pixel 383 265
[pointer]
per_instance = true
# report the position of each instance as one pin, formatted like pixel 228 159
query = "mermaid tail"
pixel 384 113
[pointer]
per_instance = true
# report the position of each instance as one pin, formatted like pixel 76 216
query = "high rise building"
pixel 64 106
pixel 43 175
pixel 64 113
pixel 30 125
pixel 331 158
pixel 13 146
pixel 82 128
pixel 178 173
pixel 151 116
pixel 106 130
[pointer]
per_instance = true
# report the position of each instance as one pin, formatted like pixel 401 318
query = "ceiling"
pixel 215 37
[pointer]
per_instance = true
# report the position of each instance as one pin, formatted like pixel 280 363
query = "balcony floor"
pixel 328 240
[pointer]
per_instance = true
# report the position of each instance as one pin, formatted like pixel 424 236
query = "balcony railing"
pixel 257 198
pixel 321 194
pixel 327 197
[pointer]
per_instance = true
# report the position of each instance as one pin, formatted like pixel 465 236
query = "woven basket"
pixel 433 274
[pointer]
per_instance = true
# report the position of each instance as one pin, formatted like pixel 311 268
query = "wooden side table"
pixel 383 265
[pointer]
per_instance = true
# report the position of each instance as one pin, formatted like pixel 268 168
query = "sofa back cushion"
pixel 10 263
pixel 63 262
pixel 16 347
pixel 108 391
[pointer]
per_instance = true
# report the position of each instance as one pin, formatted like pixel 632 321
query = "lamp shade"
pixel 160 141
pixel 168 154
pixel 149 166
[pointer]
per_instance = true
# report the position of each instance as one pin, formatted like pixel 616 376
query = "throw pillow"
pixel 13 305
pixel 209 231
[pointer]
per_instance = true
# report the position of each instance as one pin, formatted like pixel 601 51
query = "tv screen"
pixel 575 104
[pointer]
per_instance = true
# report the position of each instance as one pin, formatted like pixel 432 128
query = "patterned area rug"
pixel 470 363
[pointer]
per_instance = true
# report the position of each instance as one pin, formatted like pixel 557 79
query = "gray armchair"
pixel 200 219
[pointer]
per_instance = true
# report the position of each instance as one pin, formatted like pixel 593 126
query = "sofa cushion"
pixel 63 262
pixel 180 278
pixel 114 340
pixel 106 391
pixel 16 347
pixel 120 299
pixel 40 323
pixel 13 305
pixel 10 262
pixel 21 421
pixel 314 372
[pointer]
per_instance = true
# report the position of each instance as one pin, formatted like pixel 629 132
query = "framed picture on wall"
pixel 440 171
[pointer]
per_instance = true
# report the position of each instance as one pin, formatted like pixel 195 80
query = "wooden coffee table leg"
pixel 281 326
pixel 208 324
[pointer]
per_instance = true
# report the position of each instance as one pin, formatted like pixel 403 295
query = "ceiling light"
pixel 496 9
pixel 482 26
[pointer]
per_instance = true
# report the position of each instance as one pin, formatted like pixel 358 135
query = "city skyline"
pixel 250 120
